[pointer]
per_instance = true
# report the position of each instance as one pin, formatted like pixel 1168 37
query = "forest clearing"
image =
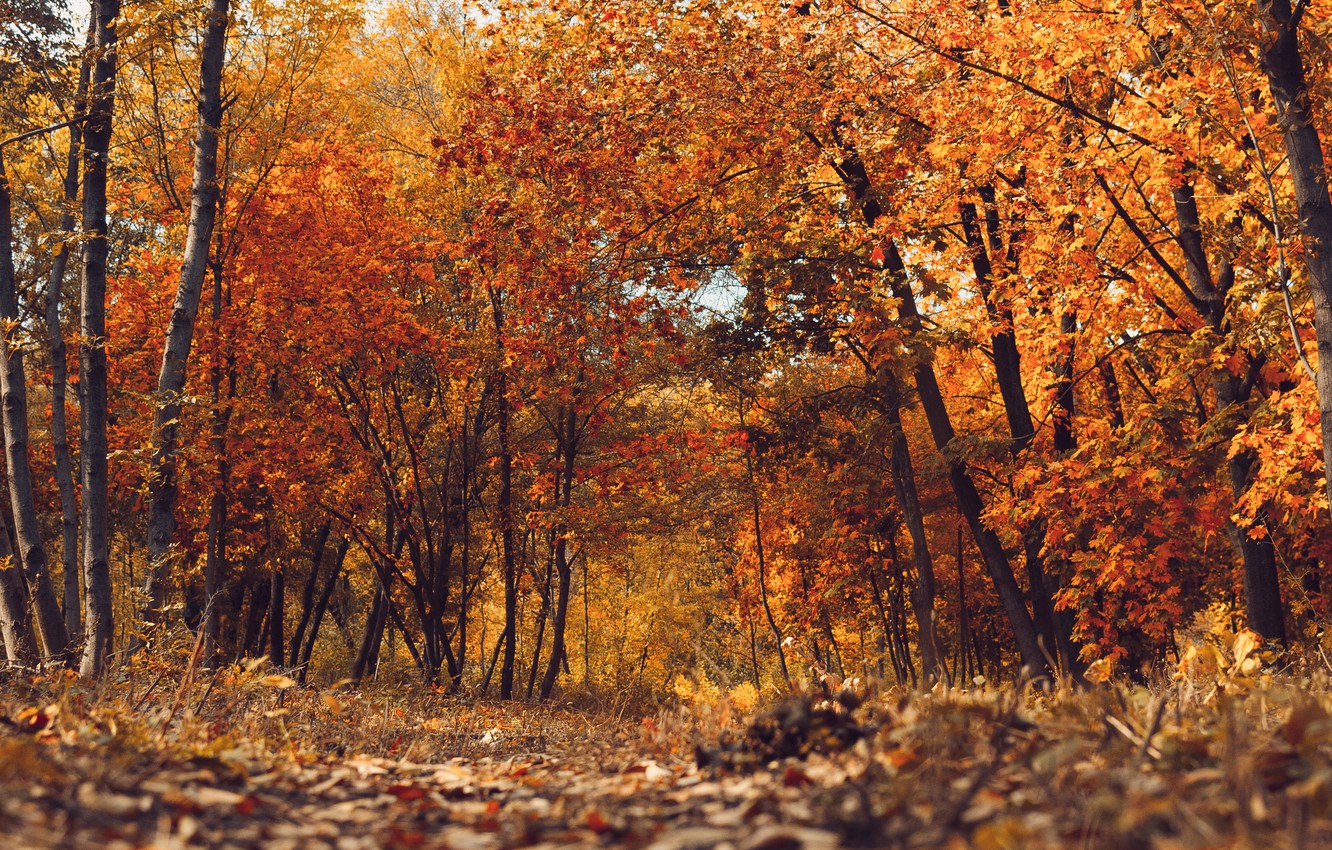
pixel 751 423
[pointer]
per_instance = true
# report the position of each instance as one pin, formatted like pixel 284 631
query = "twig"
pixel 198 709
pixel 186 681
pixel 139 703
pixel 50 128
pixel 1152 728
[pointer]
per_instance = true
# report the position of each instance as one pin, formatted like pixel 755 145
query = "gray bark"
pixel 14 626
pixel 1284 64
pixel 49 618
pixel 19 646
pixel 92 350
pixel 55 342
pixel 184 311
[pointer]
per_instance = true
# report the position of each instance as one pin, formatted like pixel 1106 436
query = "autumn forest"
pixel 934 398
pixel 627 344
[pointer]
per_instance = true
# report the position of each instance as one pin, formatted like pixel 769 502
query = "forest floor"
pixel 243 758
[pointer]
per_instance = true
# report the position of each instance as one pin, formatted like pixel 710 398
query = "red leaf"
pixel 406 793
pixel 596 822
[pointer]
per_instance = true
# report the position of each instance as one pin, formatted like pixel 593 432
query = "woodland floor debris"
pixel 269 766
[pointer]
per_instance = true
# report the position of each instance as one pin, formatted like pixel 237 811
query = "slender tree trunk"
pixel 251 641
pixel 899 614
pixel 972 507
pixel 587 630
pixel 20 646
pixel 92 349
pixel 1021 427
pixel 50 619
pixel 1284 64
pixel 215 569
pixel 307 649
pixel 1003 338
pixel 543 615
pixel 963 620
pixel 216 563
pixel 1065 441
pixel 904 487
pixel 308 593
pixel 162 485
pixel 563 568
pixel 763 572
pixel 1113 397
pixel 1262 589
pixel 885 622
pixel 277 604
pixel 559 618
pixel 856 179
pixel 490 668
pixel 504 509
pixel 510 566
pixel 366 657
pixel 55 341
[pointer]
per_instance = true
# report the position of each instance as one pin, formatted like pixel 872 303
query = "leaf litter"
pixel 1177 765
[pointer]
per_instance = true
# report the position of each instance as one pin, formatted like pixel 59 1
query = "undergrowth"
pixel 1232 748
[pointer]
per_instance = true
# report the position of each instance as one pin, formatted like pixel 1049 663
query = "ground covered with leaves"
pixel 243 758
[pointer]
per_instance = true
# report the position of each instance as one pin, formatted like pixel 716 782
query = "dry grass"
pixel 1229 752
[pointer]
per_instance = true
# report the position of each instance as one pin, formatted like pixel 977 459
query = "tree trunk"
pixel 92 348
pixel 162 484
pixel 1008 374
pixel 307 650
pixel 543 615
pixel 904 487
pixel 504 509
pixel 968 497
pixel 251 641
pixel 49 618
pixel 308 593
pixel 763 572
pixel 367 656
pixel 20 647
pixel 216 565
pixel 1262 589
pixel 963 620
pixel 856 179
pixel 1003 339
pixel 886 623
pixel 1284 64
pixel 563 567
pixel 55 341
pixel 277 604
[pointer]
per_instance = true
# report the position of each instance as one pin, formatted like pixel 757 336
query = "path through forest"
pixel 1218 762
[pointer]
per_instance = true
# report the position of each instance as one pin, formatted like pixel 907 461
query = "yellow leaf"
pixel 1099 671
pixel 1245 643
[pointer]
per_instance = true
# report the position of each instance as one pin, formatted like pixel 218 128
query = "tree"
pixel 92 347
pixel 180 333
